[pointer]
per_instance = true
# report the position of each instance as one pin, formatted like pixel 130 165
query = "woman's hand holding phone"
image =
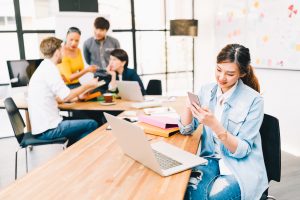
pixel 203 114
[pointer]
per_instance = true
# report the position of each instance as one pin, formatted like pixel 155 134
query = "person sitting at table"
pixel 231 112
pixel 118 69
pixel 72 65
pixel 46 88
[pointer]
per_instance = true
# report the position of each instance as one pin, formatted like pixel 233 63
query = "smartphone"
pixel 194 98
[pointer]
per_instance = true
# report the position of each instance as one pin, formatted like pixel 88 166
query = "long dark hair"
pixel 240 55
pixel 121 55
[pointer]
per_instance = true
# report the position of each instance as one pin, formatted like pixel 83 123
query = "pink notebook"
pixel 159 121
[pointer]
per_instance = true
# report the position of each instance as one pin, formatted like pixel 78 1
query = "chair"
pixel 24 139
pixel 154 87
pixel 270 138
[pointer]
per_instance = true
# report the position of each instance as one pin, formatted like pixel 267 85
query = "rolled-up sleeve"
pixel 188 129
pixel 249 131
pixel 242 149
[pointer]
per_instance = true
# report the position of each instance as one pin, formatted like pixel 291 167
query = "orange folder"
pixel 93 95
pixel 154 130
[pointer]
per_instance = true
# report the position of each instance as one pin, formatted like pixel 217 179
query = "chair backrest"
pixel 154 87
pixel 270 137
pixel 15 118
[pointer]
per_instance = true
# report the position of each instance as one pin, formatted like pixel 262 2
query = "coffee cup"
pixel 108 97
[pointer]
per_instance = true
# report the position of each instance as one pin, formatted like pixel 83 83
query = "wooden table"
pixel 96 168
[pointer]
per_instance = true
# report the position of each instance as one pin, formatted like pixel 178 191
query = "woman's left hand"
pixel 205 116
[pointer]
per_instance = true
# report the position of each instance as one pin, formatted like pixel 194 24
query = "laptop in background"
pixel 130 90
pixel 161 157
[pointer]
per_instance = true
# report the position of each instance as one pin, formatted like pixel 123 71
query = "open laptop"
pixel 161 157
pixel 130 90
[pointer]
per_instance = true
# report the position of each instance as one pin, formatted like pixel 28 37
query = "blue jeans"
pixel 207 183
pixel 74 130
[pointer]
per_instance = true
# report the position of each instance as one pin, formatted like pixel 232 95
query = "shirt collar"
pixel 225 96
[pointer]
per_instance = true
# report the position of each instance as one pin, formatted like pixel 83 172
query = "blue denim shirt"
pixel 242 116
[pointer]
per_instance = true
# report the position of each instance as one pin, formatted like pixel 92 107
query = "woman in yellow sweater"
pixel 72 66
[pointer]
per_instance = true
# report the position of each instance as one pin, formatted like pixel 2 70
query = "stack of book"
pixel 158 125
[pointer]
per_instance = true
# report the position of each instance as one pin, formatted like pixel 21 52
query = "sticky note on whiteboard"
pixel 298 47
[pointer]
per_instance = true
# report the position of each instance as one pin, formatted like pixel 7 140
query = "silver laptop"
pixel 161 157
pixel 130 90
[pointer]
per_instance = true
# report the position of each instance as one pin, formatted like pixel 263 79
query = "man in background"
pixel 46 89
pixel 97 49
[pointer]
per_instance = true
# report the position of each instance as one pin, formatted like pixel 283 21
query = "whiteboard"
pixel 269 28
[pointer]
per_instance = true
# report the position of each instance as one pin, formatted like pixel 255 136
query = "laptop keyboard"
pixel 164 161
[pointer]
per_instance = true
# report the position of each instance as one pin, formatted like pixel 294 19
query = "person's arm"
pixel 75 94
pixel 112 86
pixel 237 146
pixel 80 73
pixel 86 53
pixel 187 123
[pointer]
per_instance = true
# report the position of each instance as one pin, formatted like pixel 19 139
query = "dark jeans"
pixel 74 130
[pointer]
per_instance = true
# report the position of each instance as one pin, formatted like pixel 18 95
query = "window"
pixel 151 54
pixel 32 43
pixel 7 40
pixel 7 18
pixel 125 39
pixel 151 50
pixel 38 15
pixel 118 12
pixel 149 14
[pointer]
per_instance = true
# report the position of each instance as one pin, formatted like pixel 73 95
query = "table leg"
pixel 28 125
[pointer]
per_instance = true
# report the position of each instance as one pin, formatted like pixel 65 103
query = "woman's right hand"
pixel 110 71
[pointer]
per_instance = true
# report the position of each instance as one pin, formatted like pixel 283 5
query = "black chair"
pixel 154 87
pixel 25 139
pixel 270 138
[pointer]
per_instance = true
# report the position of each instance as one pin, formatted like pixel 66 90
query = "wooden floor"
pixel 288 188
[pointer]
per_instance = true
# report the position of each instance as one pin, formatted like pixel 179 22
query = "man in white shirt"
pixel 46 89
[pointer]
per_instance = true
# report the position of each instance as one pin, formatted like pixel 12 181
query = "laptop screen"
pixel 20 71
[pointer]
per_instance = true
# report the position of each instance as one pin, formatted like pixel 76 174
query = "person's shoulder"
pixel 89 41
pixel 112 39
pixel 247 95
pixel 129 71
pixel 249 92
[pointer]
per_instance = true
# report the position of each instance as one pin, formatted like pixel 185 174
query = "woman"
pixel 72 66
pixel 231 112
pixel 118 69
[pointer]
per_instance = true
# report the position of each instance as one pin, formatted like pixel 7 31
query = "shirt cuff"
pixel 187 129
pixel 242 150
pixel 110 88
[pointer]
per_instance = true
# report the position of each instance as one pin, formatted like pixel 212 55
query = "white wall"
pixel 204 43
pixel 282 99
